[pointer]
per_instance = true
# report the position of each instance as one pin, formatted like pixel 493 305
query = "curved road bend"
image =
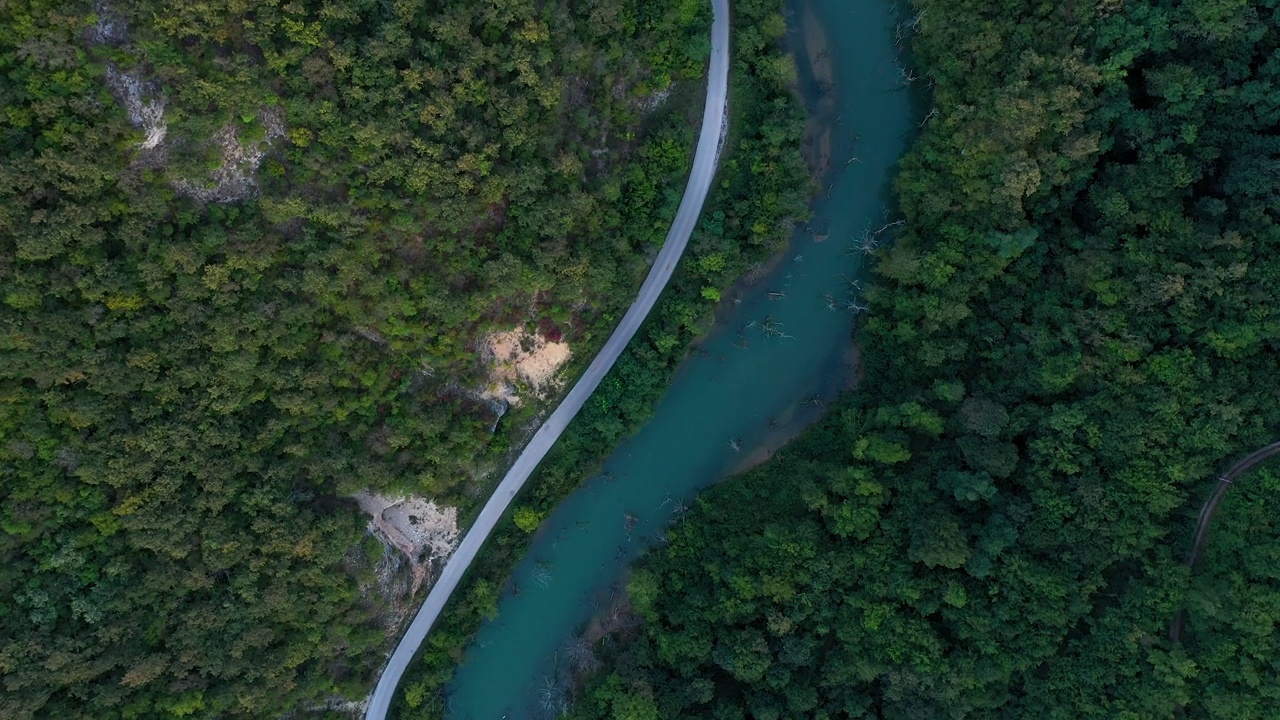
pixel 704 162
pixel 1210 509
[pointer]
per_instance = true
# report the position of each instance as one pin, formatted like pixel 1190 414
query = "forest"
pixel 248 253
pixel 1074 332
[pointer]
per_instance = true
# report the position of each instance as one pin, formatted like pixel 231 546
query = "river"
pixel 779 352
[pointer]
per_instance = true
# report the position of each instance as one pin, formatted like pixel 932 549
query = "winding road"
pixel 695 192
pixel 1210 509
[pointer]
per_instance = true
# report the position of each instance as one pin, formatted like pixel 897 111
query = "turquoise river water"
pixel 778 352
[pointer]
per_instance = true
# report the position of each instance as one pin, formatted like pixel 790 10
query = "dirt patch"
pixel 424 532
pixel 615 622
pixel 617 619
pixel 782 430
pixel 518 357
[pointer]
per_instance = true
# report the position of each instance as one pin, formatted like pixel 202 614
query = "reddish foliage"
pixel 549 330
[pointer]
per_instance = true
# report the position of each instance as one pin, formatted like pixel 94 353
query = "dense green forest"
pixel 1074 332
pixel 247 251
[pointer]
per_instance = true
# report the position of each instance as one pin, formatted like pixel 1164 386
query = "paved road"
pixel 704 165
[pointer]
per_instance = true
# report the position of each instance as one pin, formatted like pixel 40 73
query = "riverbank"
pixel 726 244
pixel 719 406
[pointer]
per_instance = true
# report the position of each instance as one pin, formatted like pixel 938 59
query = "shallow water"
pixel 775 357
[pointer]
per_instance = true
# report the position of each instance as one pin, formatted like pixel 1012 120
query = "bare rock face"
pixel 108 28
pixel 141 99
pixel 234 178
pixel 144 106
pixel 426 533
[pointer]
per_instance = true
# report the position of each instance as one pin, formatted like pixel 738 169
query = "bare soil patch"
pixel 521 358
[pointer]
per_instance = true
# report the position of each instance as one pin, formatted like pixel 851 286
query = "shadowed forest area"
pixel 248 254
pixel 1073 334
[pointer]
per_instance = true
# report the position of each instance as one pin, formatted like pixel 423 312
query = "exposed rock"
pixel 142 103
pixel 654 101
pixel 424 532
pixel 234 179
pixel 109 28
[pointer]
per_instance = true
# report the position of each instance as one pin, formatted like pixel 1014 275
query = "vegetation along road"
pixel 1210 509
pixel 700 177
